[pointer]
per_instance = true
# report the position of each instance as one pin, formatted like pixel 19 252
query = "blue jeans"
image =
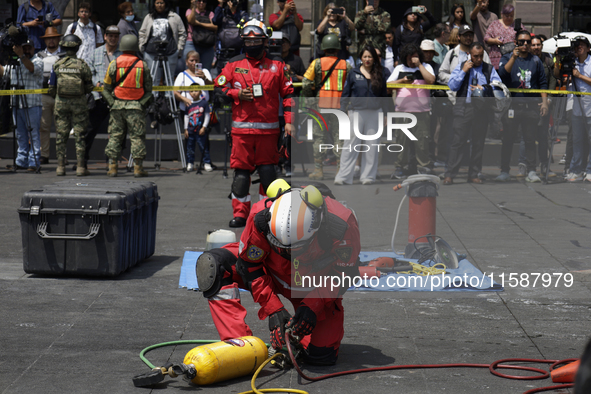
pixel 25 156
pixel 203 141
pixel 172 60
pixel 581 136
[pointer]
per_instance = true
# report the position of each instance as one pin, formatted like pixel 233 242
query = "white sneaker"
pixel 587 178
pixel 574 177
pixel 338 182
pixel 190 167
pixel 532 177
pixel 367 182
pixel 521 170
pixel 207 167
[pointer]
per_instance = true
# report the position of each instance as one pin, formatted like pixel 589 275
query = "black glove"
pixel 303 322
pixel 277 323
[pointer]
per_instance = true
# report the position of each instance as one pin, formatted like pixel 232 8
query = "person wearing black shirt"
pixel 295 65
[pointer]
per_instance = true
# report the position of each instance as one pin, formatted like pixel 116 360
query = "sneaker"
pixel 367 182
pixel 504 177
pixel 338 182
pixel 398 174
pixel 574 177
pixel 521 170
pixel 439 164
pixel 543 169
pixel 587 178
pixel 207 167
pixel 190 167
pixel 532 177
pixel 563 160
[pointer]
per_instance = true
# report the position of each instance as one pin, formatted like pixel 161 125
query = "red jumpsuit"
pixel 280 276
pixel 255 124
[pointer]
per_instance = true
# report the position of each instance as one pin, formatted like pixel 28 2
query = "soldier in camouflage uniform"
pixel 128 91
pixel 329 94
pixel 70 82
pixel 371 24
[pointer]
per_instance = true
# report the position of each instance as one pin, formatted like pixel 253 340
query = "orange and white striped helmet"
pixel 254 29
pixel 295 219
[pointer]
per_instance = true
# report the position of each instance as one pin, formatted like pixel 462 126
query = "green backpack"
pixel 69 78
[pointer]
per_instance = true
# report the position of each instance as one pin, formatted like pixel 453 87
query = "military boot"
pixel 112 168
pixel 81 168
pixel 61 166
pixel 138 168
pixel 317 175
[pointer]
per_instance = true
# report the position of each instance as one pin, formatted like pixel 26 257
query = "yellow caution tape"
pixel 296 85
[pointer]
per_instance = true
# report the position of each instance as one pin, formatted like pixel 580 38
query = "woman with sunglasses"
pixel 457 16
pixel 500 35
pixel 201 32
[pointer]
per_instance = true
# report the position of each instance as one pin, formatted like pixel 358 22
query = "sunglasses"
pixel 523 42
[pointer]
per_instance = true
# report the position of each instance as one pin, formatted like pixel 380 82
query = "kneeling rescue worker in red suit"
pixel 296 234
pixel 254 81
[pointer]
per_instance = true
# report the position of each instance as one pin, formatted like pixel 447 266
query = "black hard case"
pixel 88 228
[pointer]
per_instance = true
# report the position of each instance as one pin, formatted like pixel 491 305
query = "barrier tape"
pixel 296 85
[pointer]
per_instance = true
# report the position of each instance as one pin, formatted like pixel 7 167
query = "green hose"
pixel 173 343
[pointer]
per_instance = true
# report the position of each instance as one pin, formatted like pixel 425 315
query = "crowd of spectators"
pixel 466 53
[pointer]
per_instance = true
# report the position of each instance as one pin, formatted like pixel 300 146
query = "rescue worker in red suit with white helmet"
pixel 255 81
pixel 276 251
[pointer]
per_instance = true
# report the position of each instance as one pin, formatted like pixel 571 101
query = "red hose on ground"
pixel 491 367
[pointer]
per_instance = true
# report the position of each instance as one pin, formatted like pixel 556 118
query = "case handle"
pixel 92 232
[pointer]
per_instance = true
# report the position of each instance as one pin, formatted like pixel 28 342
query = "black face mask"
pixel 254 51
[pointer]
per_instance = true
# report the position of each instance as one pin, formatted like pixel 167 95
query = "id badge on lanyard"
pixel 257 90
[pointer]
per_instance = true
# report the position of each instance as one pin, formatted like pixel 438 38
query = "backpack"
pixel 202 36
pixel 94 28
pixel 230 35
pixel 69 78
pixel 159 110
pixel 290 30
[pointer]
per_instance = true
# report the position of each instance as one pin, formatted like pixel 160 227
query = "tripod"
pixel 558 115
pixel 14 101
pixel 161 63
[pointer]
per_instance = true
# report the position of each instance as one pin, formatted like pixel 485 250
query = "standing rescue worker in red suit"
pixel 299 234
pixel 254 81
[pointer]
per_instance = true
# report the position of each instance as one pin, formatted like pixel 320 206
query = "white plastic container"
pixel 219 238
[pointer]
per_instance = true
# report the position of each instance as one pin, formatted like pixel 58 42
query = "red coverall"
pixel 255 124
pixel 278 278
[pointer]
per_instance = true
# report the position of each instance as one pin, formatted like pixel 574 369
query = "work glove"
pixel 303 322
pixel 277 323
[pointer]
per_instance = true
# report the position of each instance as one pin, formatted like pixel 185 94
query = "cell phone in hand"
pixel 338 11
pixel 40 18
pixel 198 66
pixel 418 9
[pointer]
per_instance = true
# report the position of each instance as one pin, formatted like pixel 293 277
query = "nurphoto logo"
pixel 345 122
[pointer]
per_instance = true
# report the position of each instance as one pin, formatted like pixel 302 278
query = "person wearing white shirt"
pixel 90 33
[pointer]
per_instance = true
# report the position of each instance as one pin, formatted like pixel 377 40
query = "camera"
pixel 275 42
pixel 565 52
pixel 10 36
pixel 161 46
pixel 338 11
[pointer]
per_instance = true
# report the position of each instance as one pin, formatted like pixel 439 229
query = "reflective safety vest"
pixel 133 86
pixel 330 93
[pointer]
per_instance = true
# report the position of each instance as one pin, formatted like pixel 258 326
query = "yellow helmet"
pixel 277 187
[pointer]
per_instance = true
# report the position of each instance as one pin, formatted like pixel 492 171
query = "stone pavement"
pixel 83 335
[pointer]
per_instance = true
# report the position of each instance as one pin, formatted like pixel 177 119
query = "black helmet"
pixel 70 42
pixel 129 42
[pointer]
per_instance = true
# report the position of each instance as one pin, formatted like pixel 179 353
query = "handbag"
pixel 200 35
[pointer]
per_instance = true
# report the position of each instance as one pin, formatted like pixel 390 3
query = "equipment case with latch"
pixel 88 228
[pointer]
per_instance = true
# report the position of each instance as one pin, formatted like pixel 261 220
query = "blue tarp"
pixel 465 278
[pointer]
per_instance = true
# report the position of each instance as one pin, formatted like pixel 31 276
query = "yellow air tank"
pixel 226 360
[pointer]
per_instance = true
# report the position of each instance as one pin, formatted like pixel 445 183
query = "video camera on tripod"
pixel 275 43
pixel 10 36
pixel 565 53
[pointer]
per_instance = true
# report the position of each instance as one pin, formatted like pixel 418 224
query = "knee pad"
pixel 210 269
pixel 241 183
pixel 267 174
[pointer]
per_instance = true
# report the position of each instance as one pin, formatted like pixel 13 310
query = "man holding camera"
pixel 254 82
pixel 520 69
pixel 227 17
pixel 37 15
pixel 581 119
pixel 28 74
pixel 289 22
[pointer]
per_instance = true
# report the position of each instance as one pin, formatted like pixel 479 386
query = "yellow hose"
pixel 256 374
